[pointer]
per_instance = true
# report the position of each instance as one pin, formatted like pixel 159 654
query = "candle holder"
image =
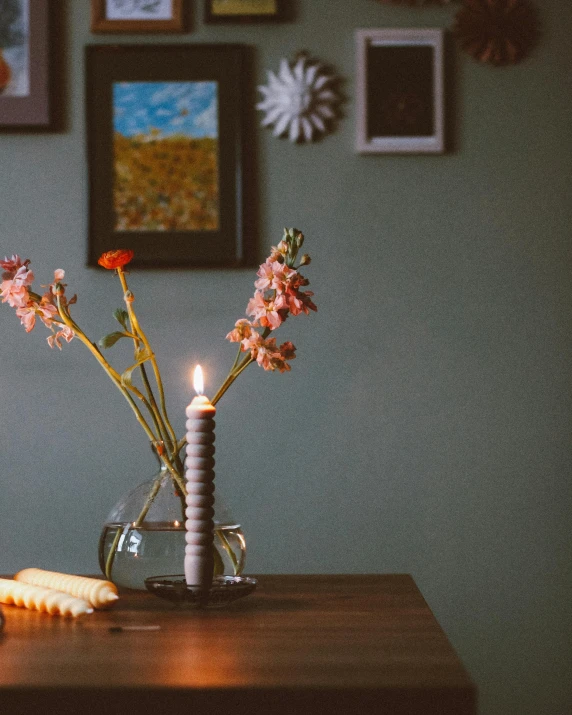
pixel 222 591
pixel 198 587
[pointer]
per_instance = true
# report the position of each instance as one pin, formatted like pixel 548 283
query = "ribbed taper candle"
pixel 199 475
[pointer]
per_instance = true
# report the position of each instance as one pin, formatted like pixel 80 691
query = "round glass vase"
pixel 133 548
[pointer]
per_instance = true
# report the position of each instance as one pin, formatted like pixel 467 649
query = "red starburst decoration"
pixel 500 32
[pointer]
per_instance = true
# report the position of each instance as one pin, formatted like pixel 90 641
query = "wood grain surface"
pixel 299 644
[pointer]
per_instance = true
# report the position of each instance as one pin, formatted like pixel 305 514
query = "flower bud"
pixel 299 239
pixel 305 260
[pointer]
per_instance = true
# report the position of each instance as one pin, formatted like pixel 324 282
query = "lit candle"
pixel 200 488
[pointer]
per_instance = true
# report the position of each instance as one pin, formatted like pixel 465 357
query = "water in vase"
pixel 158 549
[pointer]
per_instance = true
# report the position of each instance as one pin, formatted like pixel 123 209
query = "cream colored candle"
pixel 200 489
pixel 42 599
pixel 97 592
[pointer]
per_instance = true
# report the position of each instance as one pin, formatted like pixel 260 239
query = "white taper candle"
pixel 199 475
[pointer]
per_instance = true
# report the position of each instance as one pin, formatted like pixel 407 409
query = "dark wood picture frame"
pixel 106 66
pixel 101 23
pixel 33 111
pixel 212 17
pixel 400 90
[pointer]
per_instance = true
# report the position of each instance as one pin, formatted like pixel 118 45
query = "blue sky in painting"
pixel 188 108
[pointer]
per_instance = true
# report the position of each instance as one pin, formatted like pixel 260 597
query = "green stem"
pixel 150 499
pixel 228 548
pixel 137 339
pixel 114 376
pixel 237 358
pixel 155 411
pixel 111 554
pixel 173 472
pixel 138 330
pixel 231 378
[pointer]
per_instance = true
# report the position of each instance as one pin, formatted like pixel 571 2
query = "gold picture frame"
pixel 238 11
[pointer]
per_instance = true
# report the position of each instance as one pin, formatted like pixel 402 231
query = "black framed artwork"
pixel 165 153
pixel 25 29
pixel 233 11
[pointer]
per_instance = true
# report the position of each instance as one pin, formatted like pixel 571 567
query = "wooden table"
pixel 298 645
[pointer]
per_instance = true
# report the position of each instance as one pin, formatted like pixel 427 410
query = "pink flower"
pixel 300 302
pixel 23 277
pixel 57 288
pixel 273 276
pixel 64 332
pixel 278 253
pixel 277 360
pixel 267 355
pixel 15 296
pixel 296 281
pixel 261 350
pixel 266 275
pixel 288 350
pixel 28 313
pixel 242 329
pixel 11 265
pixel 268 312
pixel 59 274
pixel 14 290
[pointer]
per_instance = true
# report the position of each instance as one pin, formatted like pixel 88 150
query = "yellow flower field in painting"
pixel 165 183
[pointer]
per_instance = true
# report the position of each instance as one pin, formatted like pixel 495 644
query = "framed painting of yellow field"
pixel 165 153
pixel 244 10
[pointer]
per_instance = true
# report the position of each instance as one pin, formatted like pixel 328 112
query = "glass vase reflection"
pixel 132 549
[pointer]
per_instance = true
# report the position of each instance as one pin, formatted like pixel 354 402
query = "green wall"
pixel 425 426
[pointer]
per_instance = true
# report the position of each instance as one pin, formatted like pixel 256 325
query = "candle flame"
pixel 198 382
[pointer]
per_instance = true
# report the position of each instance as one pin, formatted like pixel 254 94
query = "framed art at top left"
pixel 25 65
pixel 137 16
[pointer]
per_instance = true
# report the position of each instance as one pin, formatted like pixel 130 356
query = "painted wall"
pixel 425 426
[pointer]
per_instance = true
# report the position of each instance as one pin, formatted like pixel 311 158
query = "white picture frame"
pixel 400 91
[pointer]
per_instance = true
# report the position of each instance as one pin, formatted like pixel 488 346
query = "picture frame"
pixel 25 65
pixel 164 132
pixel 245 11
pixel 137 16
pixel 400 91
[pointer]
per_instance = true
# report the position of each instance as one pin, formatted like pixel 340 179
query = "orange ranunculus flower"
pixel 115 259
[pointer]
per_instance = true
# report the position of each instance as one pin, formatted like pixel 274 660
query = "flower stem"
pixel 232 377
pixel 138 330
pixel 228 548
pixel 115 377
pixel 111 554
pixel 237 358
pixel 150 499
